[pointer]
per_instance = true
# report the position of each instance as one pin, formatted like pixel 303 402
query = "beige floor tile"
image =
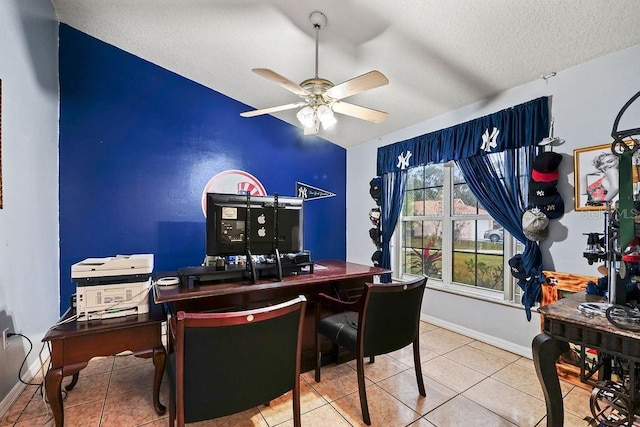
pixel 336 381
pixel 524 378
pixel 577 402
pixel 130 409
pixel 453 335
pixel 384 366
pixel 503 354
pixel 133 377
pixel 426 326
pixel 19 405
pixel 324 416
pixel 126 360
pixel 249 418
pixel 40 421
pixel 84 415
pixel 478 360
pixel 97 365
pixel 570 420
pixel 461 411
pixel 88 389
pixel 384 409
pixel 518 407
pixel 281 409
pixel 451 374
pixel 439 343
pixel 405 355
pixel 422 422
pixel 404 387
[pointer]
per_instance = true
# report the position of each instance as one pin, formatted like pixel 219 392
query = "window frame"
pixel 509 294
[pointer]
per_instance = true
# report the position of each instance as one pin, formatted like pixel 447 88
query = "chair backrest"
pixel 230 362
pixel 390 317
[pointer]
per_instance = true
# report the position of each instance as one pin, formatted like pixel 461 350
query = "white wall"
pixel 585 102
pixel 29 279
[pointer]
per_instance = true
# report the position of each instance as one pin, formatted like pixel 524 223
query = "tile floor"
pixel 468 383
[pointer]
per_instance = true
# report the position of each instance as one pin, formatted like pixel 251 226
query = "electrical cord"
pixel 11 334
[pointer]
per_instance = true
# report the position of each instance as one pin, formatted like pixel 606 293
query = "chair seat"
pixel 342 328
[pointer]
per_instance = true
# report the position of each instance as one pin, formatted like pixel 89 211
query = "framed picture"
pixel 596 177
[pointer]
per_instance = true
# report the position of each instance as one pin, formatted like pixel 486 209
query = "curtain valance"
pixel 518 126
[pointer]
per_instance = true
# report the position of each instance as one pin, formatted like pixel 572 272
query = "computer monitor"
pixel 238 223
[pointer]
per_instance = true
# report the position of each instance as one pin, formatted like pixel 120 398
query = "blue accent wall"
pixel 138 144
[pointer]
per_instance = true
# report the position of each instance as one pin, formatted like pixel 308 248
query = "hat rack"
pixel 551 140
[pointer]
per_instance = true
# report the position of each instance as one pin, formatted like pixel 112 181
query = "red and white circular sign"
pixel 232 182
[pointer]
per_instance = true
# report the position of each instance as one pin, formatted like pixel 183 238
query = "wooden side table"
pixel 74 344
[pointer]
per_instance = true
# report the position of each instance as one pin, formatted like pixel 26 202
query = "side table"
pixel 75 343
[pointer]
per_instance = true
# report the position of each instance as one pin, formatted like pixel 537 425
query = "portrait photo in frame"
pixel 596 177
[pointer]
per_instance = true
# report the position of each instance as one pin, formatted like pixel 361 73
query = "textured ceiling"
pixel 439 55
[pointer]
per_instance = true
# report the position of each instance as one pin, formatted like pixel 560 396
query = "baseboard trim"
pixel 487 339
pixel 28 376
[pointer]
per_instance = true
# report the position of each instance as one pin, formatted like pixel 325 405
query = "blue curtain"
pixel 495 182
pixel 393 185
pixel 469 143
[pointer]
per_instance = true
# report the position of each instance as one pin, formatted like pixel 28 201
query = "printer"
pixel 112 286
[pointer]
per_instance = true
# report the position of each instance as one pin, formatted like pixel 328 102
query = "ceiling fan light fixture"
pixel 306 116
pixel 326 117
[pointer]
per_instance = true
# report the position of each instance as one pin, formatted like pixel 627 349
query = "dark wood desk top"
pixel 324 271
pixel 566 311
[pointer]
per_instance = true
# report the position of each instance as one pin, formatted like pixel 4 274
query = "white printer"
pixel 112 286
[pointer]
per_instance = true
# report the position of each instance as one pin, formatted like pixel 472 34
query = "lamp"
pixel 311 117
pixel 326 116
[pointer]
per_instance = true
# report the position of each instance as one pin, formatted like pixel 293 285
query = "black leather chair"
pixel 225 363
pixel 385 318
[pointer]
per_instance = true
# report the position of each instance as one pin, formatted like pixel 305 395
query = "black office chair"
pixel 385 318
pixel 225 363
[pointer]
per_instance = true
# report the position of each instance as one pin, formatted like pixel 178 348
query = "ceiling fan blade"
pixel 359 112
pixel 270 110
pixel 282 81
pixel 367 81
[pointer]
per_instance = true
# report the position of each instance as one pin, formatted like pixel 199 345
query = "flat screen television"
pixel 237 224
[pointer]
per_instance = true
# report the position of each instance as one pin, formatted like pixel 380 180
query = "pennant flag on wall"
pixel 308 192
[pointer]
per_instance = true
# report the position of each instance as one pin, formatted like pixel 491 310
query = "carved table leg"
pixel 74 381
pixel 546 351
pixel 52 383
pixel 159 357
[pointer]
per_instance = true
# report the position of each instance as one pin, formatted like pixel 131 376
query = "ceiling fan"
pixel 321 98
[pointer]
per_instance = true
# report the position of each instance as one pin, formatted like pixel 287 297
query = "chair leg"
pixel 364 407
pixel 172 407
pixel 318 358
pixel 418 367
pixel 296 402
pixel 372 359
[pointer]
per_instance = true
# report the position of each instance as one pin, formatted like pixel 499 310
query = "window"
pixel 447 235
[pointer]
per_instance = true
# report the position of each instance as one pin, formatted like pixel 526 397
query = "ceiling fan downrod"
pixel 319 21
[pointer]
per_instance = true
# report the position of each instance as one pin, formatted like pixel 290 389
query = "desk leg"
pixel 52 383
pixel 74 381
pixel 546 351
pixel 159 357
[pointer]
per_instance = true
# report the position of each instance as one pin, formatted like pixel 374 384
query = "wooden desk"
pixel 73 345
pixel 329 276
pixel 563 323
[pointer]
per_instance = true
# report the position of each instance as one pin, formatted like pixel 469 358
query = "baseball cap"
pixel 374 216
pixel 544 176
pixel 377 258
pixel 374 189
pixel 547 161
pixel 534 224
pixel 554 209
pixel 541 193
pixel 517 267
pixel 374 233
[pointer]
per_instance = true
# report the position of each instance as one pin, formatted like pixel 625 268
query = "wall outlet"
pixel 5 342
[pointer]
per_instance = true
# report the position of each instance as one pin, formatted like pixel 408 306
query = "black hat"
pixel 517 268
pixel 375 235
pixel 554 209
pixel 541 193
pixel 547 161
pixel 377 258
pixel 375 184
pixel 374 216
